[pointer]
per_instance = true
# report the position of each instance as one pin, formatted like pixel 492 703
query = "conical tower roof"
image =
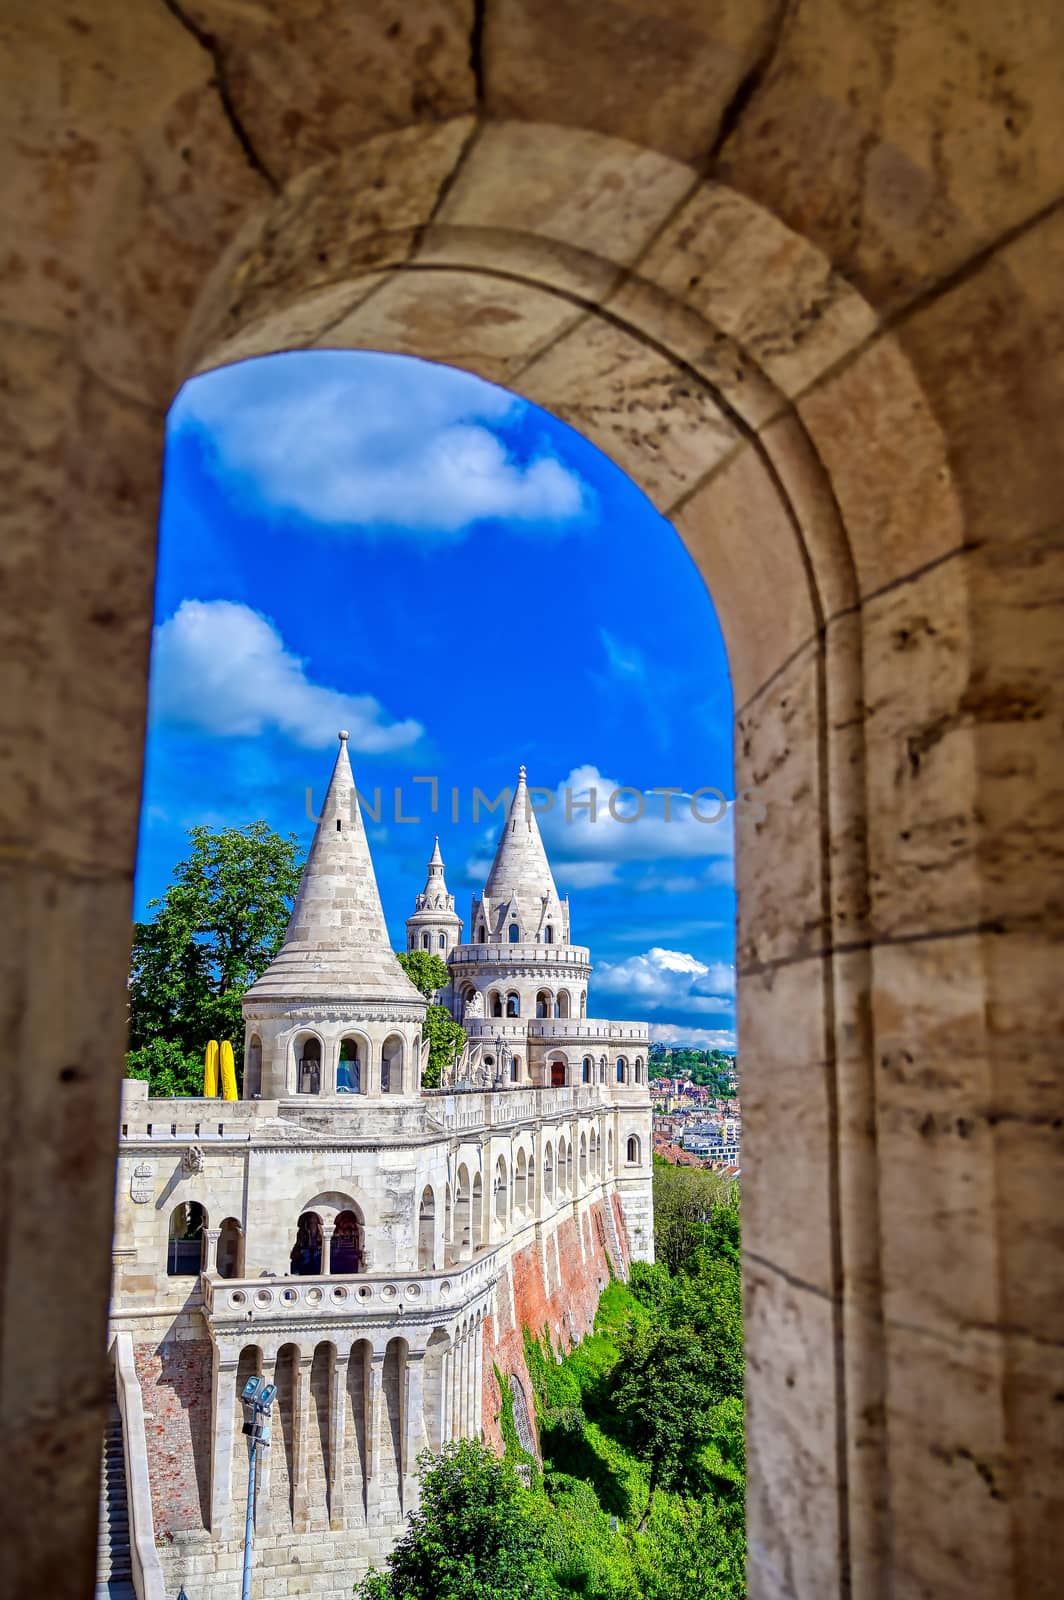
pixel 434 903
pixel 520 866
pixel 336 946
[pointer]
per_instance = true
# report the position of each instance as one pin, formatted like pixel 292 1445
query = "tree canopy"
pixel 214 931
pixel 425 971
pixel 446 1037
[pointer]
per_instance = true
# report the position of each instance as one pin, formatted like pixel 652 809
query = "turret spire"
pixel 336 944
pixel 521 866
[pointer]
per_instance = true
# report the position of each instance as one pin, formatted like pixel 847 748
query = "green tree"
pixel 446 1037
pixel 685 1200
pixel 475 1535
pixel 658 1392
pixel 425 971
pixel 215 930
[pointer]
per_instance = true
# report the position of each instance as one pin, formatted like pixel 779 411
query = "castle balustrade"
pixel 188 1117
pixel 493 1028
pixel 558 955
pixel 494 1109
pixel 234 1305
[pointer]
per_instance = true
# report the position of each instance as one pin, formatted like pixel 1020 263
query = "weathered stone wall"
pixel 176 1383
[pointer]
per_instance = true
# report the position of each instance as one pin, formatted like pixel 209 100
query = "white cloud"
pixel 589 874
pixel 370 441
pixel 223 669
pixel 670 979
pixel 693 1038
pixel 639 827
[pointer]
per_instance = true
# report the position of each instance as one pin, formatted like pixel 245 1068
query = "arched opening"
pixel 583 1158
pixel 586 1070
pixel 463 1216
pixel 622 1069
pixel 564 1003
pixel 186 1240
pixel 548 934
pixel 426 941
pixel 515 1069
pixel 593 1152
pixel 639 1069
pixel 609 1151
pixel 348 1243
pixel 521 1182
pixel 308 1066
pixel 558 1070
pixel 583 1004
pixel 495 1004
pixel 602 1069
pixel 253 1068
pixel 433 1389
pixel 306 1256
pixel 479 1221
pixel 426 1231
pixel 548 1172
pixel 631 1154
pixel 231 1249
pixel 501 1192
pixel 515 933
pixel 349 1074
pixel 481 934
pixel 441 943
pixel 392 1065
pixel 513 1005
pixel 544 1003
pixel 569 1166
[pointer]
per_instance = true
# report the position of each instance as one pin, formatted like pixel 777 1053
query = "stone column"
pixel 327 1231
pixel 337 1432
pixel 210 1249
pixel 374 1411
pixel 300 1426
pixel 224 1431
pixel 456 1391
pixel 478 1380
pixel 413 1427
pixel 446 1381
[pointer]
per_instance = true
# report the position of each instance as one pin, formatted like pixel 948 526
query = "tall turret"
pixel 334 1012
pixel 435 925
pixel 520 903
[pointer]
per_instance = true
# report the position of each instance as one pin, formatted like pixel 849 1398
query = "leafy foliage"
pixel 169 1069
pixel 686 1203
pixel 474 1536
pixel 425 971
pixel 216 929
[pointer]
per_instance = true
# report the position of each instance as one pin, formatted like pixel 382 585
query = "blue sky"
pixel 372 542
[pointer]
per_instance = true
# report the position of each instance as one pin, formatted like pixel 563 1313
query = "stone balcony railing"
pixel 498 1108
pixel 561 955
pixel 238 1303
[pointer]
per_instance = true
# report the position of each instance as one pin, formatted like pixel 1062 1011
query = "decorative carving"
pixel 474 1006
pixel 191 1160
pixel 142 1183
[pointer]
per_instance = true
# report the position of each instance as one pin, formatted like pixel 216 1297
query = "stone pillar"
pixel 413 1427
pixel 374 1411
pixel 327 1231
pixel 224 1431
pixel 300 1426
pixel 478 1380
pixel 337 1432
pixel 446 1380
pixel 210 1249
pixel 456 1390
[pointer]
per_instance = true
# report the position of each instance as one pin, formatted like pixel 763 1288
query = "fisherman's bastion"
pixel 373 1248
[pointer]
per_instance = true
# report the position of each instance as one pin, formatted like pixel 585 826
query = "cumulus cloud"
pixel 223 669
pixel 693 1038
pixel 638 827
pixel 670 979
pixel 349 441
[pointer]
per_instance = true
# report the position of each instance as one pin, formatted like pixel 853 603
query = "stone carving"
pixel 192 1160
pixel 474 1006
pixel 142 1183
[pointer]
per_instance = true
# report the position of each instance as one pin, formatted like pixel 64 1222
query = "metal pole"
pixel 249 1524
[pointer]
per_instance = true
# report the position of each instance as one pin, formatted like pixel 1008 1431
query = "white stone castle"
pixel 373 1247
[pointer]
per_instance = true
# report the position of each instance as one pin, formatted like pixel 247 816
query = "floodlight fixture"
pixel 251 1390
pixel 266 1397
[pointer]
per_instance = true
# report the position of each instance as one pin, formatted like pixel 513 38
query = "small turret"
pixel 435 926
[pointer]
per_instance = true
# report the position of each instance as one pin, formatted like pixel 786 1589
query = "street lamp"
pixel 258 1397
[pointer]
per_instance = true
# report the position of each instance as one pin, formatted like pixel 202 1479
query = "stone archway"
pixel 813 299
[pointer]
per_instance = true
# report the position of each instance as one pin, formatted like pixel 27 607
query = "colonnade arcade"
pixel 354 1407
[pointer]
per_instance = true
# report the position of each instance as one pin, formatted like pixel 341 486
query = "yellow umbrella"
pixel 228 1072
pixel 210 1071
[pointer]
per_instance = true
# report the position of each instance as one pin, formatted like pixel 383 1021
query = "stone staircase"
pixel 114 1569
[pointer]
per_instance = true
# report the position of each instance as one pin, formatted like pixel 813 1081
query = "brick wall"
pixel 175 1380
pixel 565 1303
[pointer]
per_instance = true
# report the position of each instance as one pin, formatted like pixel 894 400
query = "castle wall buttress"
pixel 175 1379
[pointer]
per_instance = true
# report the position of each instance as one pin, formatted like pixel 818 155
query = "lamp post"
pixel 258 1396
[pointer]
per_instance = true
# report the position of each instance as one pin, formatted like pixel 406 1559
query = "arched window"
pixel 632 1149
pixel 306 1252
pixel 583 1158
pixel 349 1068
pixel 348 1242
pixel 557 1008
pixel 496 1003
pixel 513 1005
pixel 515 1068
pixel 544 1003
pixel 392 1065
pixel 426 940
pixel 253 1068
pixel 583 1003
pixel 515 933
pixel 426 1231
pixel 412 941
pixel 587 1069
pixel 602 1069
pixel 564 1007
pixel 462 1244
pixel 501 1195
pixel 308 1071
pixel 480 934
pixel 557 1073
pixel 622 1069
pixel 230 1249
pixel 521 1182
pixel 569 1167
pixel 184 1250
pixel 561 1165
pixel 548 1173
pixel 548 934
pixel 639 1069
pixel 442 942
